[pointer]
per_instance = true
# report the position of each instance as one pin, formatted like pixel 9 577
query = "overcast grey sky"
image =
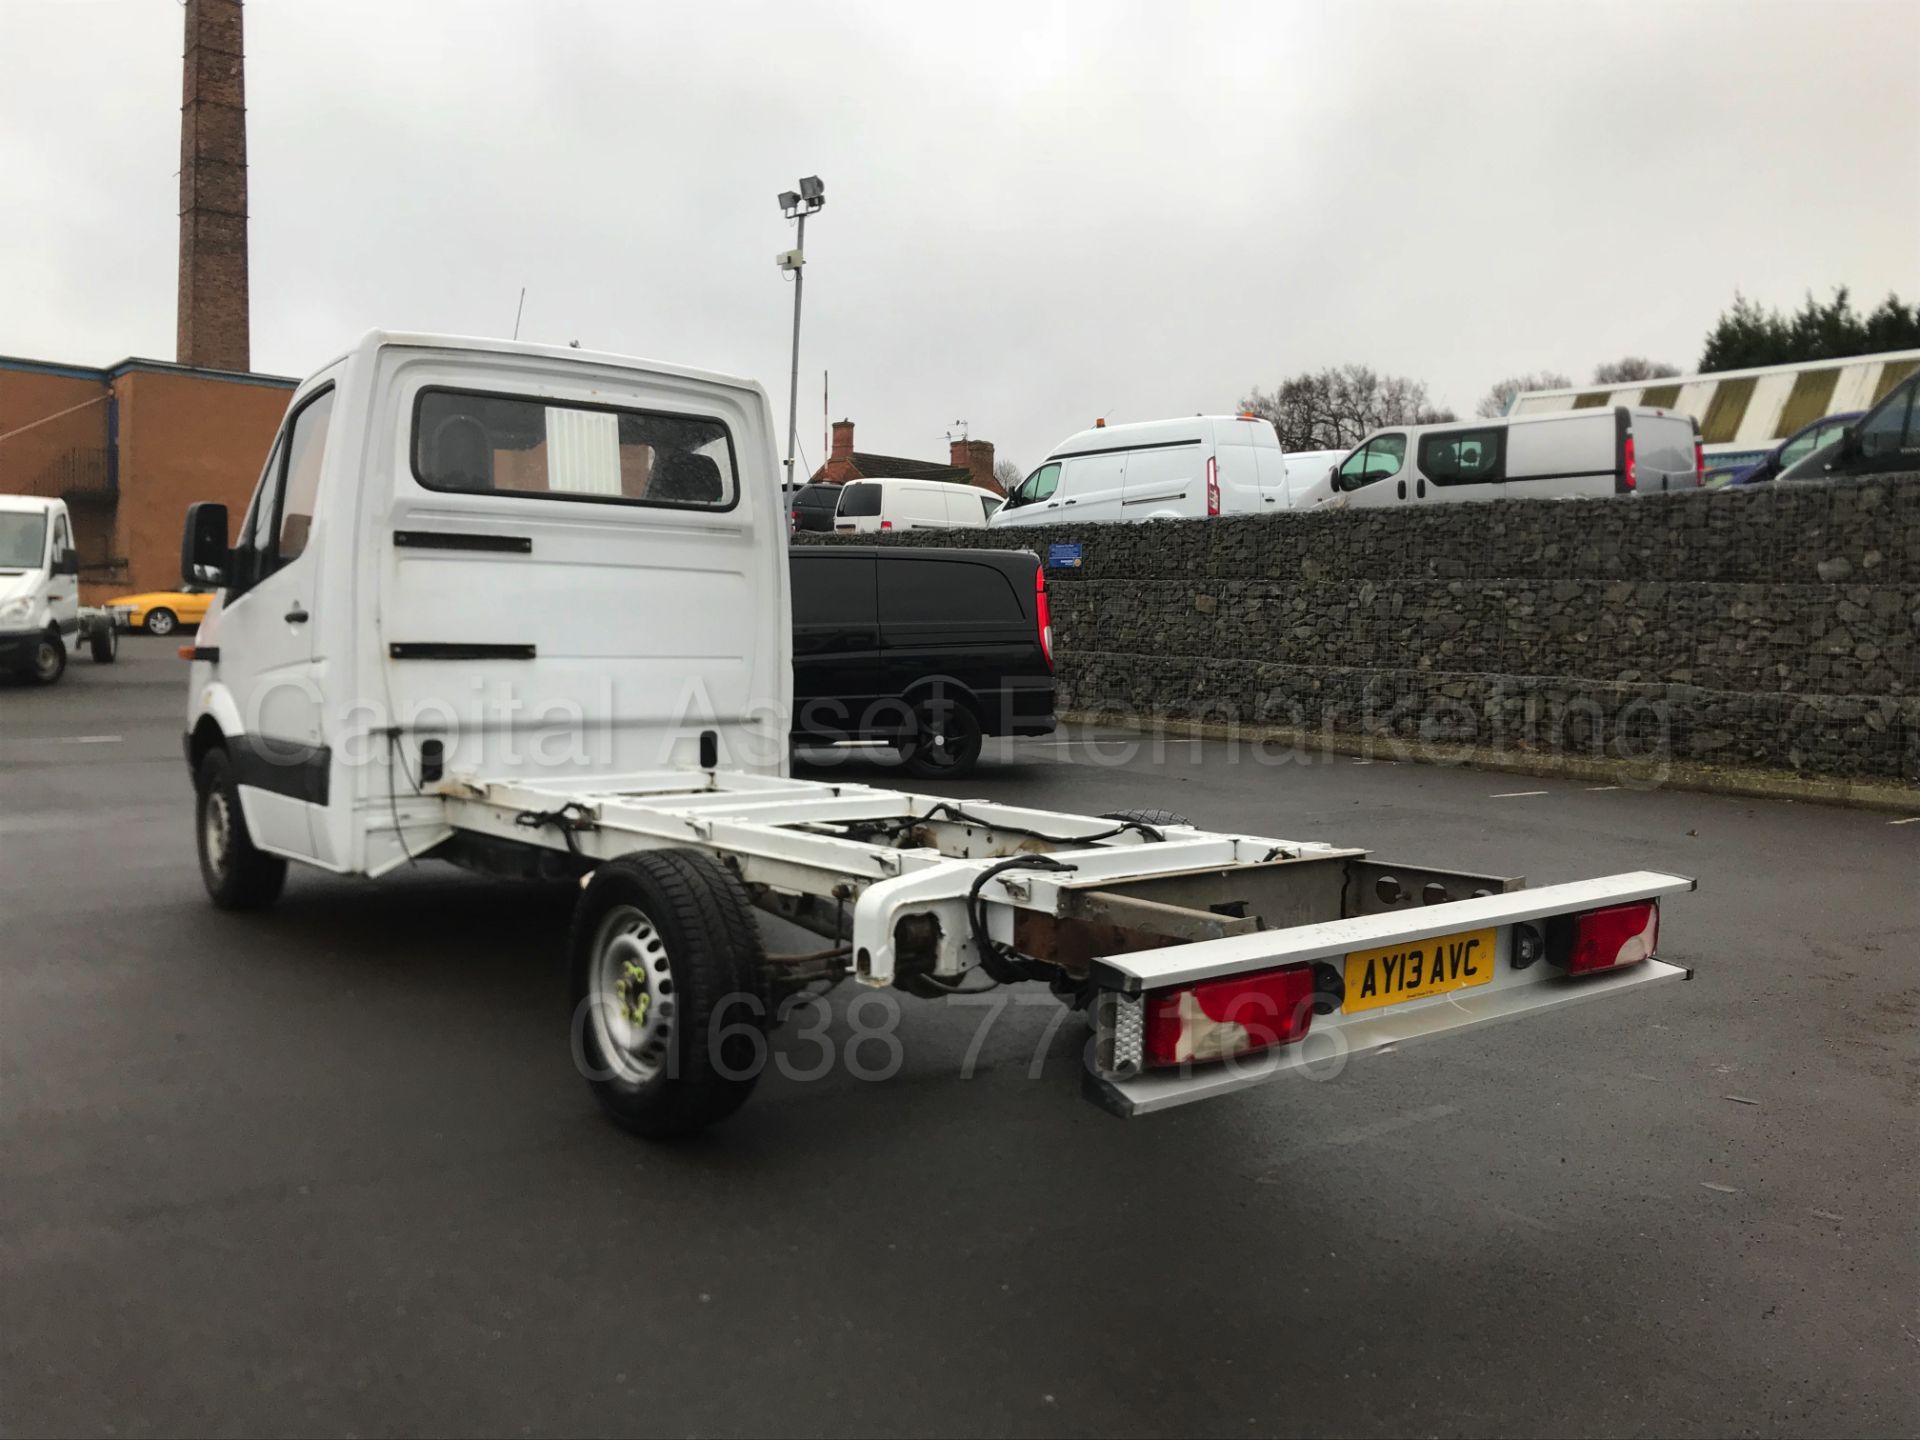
pixel 1036 214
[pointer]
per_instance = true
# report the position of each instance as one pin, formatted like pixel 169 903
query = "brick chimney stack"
pixel 213 320
pixel 976 457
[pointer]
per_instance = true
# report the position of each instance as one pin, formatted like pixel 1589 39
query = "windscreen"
pixel 23 540
pixel 857 500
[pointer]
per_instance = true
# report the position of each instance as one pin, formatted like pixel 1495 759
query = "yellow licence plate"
pixel 1418 969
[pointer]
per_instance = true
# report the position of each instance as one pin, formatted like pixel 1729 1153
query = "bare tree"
pixel 1006 474
pixel 1496 401
pixel 1632 368
pixel 1334 409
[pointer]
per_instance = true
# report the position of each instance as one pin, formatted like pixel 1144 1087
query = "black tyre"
pixel 670 991
pixel 161 621
pixel 104 643
pixel 237 875
pixel 945 742
pixel 1148 817
pixel 47 661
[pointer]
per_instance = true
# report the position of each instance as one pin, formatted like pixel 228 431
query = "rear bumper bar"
pixel 1328 1047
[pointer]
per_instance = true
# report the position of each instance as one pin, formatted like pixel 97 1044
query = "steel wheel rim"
pixel 46 661
pixel 216 830
pixel 632 1000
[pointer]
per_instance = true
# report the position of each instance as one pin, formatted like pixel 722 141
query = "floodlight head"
pixel 789 202
pixel 813 191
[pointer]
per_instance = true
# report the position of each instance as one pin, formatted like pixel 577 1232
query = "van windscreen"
pixel 860 500
pixel 23 537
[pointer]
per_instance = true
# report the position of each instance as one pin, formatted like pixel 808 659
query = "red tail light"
pixel 1699 463
pixel 1043 613
pixel 888 524
pixel 1613 938
pixel 1235 1016
pixel 1627 464
pixel 1213 486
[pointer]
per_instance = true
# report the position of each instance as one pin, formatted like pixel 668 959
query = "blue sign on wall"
pixel 1063 557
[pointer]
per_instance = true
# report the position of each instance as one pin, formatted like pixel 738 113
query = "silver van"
pixel 1623 450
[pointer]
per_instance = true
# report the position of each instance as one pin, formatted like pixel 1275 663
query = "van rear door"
pixel 1662 449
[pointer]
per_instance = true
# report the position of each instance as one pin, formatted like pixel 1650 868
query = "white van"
pixel 1156 470
pixel 40 590
pixel 1621 451
pixel 886 504
pixel 1310 477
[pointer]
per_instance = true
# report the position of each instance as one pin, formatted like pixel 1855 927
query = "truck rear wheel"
pixel 238 876
pixel 47 661
pixel 104 643
pixel 669 990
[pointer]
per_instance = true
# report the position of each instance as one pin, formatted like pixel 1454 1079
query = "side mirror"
pixel 67 562
pixel 204 554
pixel 1849 443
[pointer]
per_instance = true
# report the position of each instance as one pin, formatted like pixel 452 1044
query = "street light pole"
pixel 797 205
pixel 793 380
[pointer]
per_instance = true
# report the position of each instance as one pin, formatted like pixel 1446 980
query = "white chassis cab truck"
pixel 525 609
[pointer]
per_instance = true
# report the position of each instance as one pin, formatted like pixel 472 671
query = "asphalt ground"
pixel 328 1169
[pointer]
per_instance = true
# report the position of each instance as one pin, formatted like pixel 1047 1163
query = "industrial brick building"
pixel 129 447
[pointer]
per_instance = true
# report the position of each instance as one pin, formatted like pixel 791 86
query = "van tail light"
pixel 1609 939
pixel 1239 1015
pixel 886 524
pixel 1627 468
pixel 1699 462
pixel 1213 486
pixel 1043 613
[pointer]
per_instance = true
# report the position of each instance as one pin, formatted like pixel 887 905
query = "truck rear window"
pixel 859 499
pixel 471 442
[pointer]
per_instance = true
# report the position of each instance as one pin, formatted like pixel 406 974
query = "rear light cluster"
pixel 1627 464
pixel 1609 939
pixel 1043 613
pixel 1218 1019
pixel 1213 486
pixel 1699 463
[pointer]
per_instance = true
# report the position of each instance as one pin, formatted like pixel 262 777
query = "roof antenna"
pixel 516 312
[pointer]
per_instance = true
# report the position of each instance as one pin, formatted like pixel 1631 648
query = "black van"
pixel 927 649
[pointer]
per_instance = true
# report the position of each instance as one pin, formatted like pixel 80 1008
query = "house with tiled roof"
pixel 969 462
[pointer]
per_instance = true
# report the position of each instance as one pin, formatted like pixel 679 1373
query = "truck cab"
pixel 39 587
pixel 481 557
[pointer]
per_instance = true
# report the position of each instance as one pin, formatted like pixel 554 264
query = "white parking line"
pixel 1592 789
pixel 1515 794
pixel 1910 820
pixel 89 739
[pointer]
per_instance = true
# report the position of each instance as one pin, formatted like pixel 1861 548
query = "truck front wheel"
pixel 47 661
pixel 670 991
pixel 238 876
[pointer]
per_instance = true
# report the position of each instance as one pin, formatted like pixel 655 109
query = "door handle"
pixel 1403 488
pixel 297 615
pixel 1069 502
pixel 1420 488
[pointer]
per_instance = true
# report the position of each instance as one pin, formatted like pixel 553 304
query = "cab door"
pixel 63 577
pixel 266 643
pixel 1375 474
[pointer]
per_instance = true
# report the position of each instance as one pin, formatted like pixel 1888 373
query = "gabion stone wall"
pixel 1774 626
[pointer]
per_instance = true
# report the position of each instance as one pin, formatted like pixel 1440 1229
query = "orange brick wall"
pixel 29 460
pixel 183 438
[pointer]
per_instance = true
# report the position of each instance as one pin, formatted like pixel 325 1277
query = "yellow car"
pixel 161 612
